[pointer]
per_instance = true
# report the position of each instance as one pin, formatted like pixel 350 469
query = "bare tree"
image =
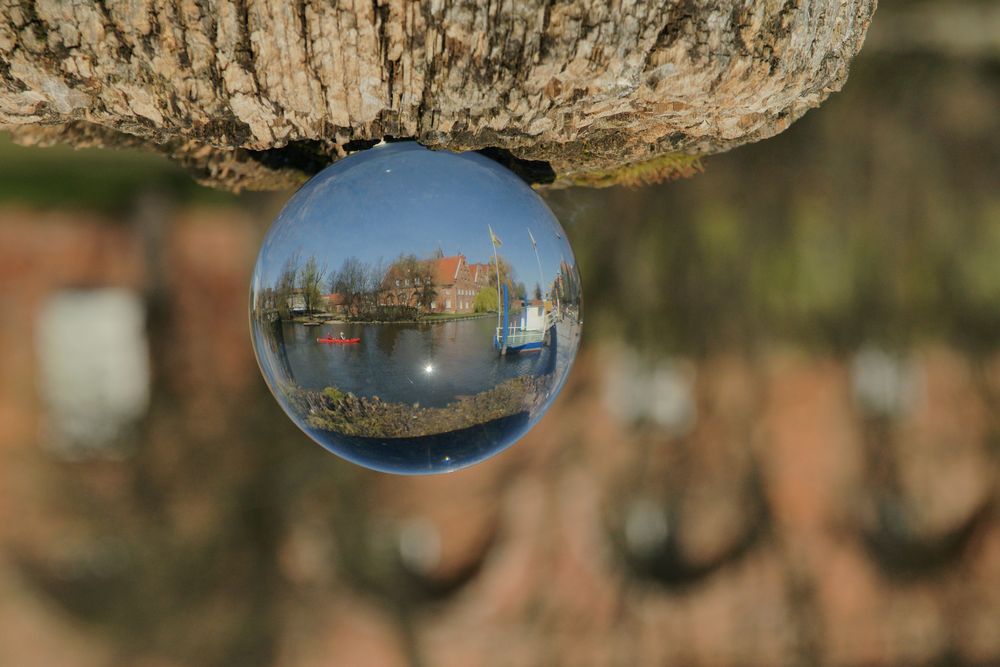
pixel 409 281
pixel 311 277
pixel 285 287
pixel 351 282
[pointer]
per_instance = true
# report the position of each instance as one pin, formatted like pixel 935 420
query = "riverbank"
pixel 427 319
pixel 454 317
pixel 344 413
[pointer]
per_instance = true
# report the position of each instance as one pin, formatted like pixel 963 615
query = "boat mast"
pixel 541 276
pixel 496 258
pixel 501 307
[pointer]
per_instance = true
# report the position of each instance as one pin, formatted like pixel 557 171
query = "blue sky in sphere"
pixel 402 198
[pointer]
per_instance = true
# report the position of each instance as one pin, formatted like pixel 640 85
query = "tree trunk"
pixel 260 93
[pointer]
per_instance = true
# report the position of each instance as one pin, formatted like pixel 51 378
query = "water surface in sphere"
pixel 415 311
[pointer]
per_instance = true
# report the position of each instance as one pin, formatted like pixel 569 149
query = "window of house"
pixel 94 369
pixel 397 282
pixel 447 304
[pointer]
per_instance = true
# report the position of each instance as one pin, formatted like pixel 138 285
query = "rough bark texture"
pixel 258 93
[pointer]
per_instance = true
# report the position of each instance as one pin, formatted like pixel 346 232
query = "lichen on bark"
pixel 261 93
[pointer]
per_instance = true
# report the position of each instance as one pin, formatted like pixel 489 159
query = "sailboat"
pixel 529 330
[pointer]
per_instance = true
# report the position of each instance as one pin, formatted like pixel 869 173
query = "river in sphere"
pixel 427 363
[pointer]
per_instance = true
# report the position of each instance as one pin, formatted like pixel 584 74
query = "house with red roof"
pixel 452 278
pixel 454 284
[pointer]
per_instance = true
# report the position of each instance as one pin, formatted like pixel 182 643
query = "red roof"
pixel 335 299
pixel 446 269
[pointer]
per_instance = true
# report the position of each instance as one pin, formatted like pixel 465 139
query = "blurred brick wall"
pixel 726 510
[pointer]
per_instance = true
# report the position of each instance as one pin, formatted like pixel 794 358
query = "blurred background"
pixel 780 444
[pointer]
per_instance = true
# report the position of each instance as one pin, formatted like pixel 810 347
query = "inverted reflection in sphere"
pixel 415 311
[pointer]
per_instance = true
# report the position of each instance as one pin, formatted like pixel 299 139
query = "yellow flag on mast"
pixel 493 238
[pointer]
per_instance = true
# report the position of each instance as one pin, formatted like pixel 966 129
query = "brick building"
pixel 454 280
pixel 454 284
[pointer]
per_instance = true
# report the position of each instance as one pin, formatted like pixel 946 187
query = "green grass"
pixel 92 178
pixel 669 167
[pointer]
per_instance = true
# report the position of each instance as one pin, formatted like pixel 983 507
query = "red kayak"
pixel 338 341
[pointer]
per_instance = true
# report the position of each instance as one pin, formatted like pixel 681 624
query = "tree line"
pixel 402 289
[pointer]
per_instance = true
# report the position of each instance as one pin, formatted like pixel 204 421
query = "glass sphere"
pixel 415 311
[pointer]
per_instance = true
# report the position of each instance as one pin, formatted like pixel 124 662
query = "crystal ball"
pixel 415 311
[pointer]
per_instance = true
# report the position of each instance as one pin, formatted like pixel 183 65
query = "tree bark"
pixel 261 93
